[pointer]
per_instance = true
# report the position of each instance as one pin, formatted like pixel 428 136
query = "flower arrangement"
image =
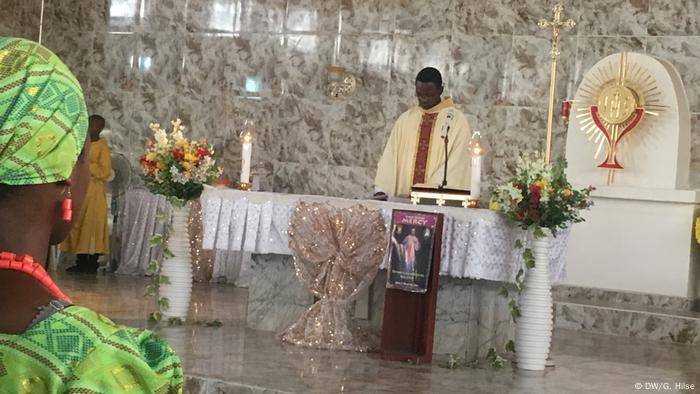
pixel 539 196
pixel 176 167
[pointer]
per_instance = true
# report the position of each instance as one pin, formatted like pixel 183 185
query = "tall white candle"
pixel 475 188
pixel 246 154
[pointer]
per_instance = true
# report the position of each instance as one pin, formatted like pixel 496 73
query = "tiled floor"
pixel 233 359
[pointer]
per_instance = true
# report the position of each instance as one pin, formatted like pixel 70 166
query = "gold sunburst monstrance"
pixel 614 101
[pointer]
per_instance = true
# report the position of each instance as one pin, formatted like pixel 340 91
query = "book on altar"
pixel 411 250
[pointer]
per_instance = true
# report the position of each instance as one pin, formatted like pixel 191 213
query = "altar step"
pixel 657 318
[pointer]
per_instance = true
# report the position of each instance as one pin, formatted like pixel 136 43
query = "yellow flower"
pixel 542 184
pixel 494 205
pixel 566 193
pixel 151 156
pixel 189 157
pixel 186 165
pixel 182 144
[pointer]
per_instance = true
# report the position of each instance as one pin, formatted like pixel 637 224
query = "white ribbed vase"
pixel 178 269
pixel 533 331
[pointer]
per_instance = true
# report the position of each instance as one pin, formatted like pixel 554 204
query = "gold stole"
pixel 423 150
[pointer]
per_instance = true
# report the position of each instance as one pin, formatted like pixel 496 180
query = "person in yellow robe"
pixel 415 151
pixel 90 238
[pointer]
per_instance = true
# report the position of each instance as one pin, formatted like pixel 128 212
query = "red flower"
pixel 534 214
pixel 178 154
pixel 519 215
pixel 535 194
pixel 201 152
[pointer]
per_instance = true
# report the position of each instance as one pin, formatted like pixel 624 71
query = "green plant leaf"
pixel 529 258
pixel 175 321
pixel 514 310
pixel 518 244
pixel 163 280
pixel 153 267
pixel 155 317
pixel 150 290
pixel 503 292
pixel 163 304
pixel 510 346
pixel 537 232
pixel 214 323
pixel 167 253
pixel 156 240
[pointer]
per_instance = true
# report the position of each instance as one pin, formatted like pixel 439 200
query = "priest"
pixel 415 152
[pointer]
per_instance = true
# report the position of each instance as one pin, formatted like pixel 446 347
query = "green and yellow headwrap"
pixel 43 119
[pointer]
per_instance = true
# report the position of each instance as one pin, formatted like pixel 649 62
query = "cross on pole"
pixel 555 25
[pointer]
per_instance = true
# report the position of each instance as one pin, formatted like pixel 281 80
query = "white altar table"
pixel 476 243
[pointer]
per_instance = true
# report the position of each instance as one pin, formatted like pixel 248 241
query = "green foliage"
pixel 163 304
pixel 540 196
pixel 510 346
pixel 155 240
pixel 494 359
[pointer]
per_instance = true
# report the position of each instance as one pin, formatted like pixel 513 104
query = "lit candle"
pixel 477 152
pixel 246 154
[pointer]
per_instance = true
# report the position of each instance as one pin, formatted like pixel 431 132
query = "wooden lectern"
pixel 409 318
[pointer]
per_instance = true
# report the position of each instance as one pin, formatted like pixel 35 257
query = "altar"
pixel 477 258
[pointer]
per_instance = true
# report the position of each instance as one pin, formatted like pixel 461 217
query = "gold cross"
pixel 556 25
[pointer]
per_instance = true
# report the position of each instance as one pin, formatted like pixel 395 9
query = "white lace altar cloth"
pixel 476 243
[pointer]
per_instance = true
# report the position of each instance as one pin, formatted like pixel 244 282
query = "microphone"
pixel 448 123
pixel 445 131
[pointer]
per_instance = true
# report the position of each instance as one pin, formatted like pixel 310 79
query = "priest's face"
pixel 428 94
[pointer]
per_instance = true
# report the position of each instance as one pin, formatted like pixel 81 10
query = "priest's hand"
pixel 380 196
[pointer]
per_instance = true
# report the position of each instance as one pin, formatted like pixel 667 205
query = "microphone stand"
pixel 444 177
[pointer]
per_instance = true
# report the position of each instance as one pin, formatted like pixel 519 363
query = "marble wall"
pixel 215 63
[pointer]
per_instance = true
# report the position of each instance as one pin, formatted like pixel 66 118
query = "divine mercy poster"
pixel 411 250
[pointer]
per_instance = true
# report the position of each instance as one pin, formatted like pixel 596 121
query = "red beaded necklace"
pixel 26 264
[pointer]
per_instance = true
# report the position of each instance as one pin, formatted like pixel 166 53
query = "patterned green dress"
pixel 77 350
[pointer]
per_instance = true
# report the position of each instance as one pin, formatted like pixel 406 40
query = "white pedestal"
pixel 638 240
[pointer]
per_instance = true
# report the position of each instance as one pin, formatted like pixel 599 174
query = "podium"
pixel 409 317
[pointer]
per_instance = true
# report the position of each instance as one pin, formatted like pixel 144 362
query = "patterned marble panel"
pixel 367 57
pixel 276 298
pixel 123 15
pixel 674 17
pixel 113 61
pixel 301 64
pixel 249 69
pixel 159 62
pixel 164 16
pixel 529 12
pixel 300 178
pixel 485 18
pixel 684 54
pixel 26 19
pixel 413 53
pixel 530 73
pixel 307 133
pixel 591 50
pixel 350 182
pixel 358 138
pixel 586 294
pixel 415 16
pixel 611 17
pixel 7 18
pixel 261 16
pixel 205 115
pixel 480 68
pixel 312 16
pixel 525 131
pixel 204 64
pixel 92 15
pixel 73 47
pixel 492 122
pixel 655 326
pixel 152 107
pixel 361 16
pixel 211 16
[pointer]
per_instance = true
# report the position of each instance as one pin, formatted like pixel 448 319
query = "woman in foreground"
pixel 48 345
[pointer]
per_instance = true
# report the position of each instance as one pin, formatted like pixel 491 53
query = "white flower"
pixel 178 128
pixel 178 176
